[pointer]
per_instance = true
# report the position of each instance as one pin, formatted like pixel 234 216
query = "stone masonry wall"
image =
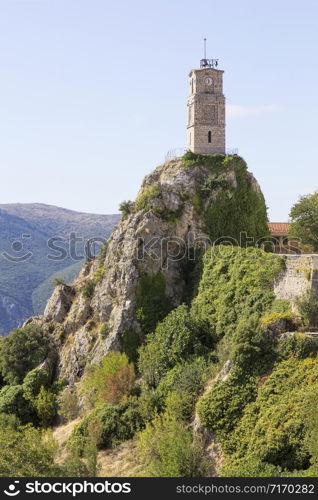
pixel 300 275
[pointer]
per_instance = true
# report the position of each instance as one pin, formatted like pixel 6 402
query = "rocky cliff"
pixel 146 267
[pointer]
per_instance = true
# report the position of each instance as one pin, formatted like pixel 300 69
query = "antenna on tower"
pixel 208 63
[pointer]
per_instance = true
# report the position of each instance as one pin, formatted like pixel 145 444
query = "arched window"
pixel 192 85
pixel 209 136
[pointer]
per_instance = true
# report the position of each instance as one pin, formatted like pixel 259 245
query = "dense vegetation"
pixel 262 412
pixel 234 212
pixel 231 360
pixel 304 218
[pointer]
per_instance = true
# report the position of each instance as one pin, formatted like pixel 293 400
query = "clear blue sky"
pixel 93 94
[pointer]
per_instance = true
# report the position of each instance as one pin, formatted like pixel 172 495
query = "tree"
pixel 25 451
pixel 168 448
pixel 179 336
pixel 308 308
pixel 110 381
pixel 126 207
pixel 46 407
pixel 304 217
pixel 22 350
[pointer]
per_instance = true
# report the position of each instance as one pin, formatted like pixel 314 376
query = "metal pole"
pixel 204 48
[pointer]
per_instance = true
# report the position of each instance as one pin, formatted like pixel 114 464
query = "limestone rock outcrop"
pixel 157 236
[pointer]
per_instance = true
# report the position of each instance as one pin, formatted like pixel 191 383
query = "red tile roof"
pixel 279 228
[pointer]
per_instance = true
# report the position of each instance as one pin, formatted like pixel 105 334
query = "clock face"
pixel 208 81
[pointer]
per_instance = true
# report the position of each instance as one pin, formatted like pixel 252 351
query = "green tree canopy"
pixel 22 351
pixel 304 217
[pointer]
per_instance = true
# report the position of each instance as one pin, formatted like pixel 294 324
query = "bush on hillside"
pixel 297 345
pixel 68 405
pixel 26 452
pixel 236 209
pixel 88 288
pixel 108 382
pixel 33 382
pixel 152 304
pixel 169 450
pixel 308 308
pixel 274 427
pixel 236 283
pixel 21 351
pixel 108 425
pixel 59 280
pixel 126 207
pixel 178 337
pixel 222 407
pixel 253 347
pixel 14 402
pixel 45 405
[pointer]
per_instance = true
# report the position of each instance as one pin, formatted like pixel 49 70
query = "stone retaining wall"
pixel 300 275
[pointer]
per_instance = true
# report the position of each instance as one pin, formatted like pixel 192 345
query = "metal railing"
pixel 178 152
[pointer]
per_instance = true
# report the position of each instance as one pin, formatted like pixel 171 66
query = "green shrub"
pixel 126 207
pixel 253 347
pixel 235 283
pixel 33 382
pixel 88 288
pixel 179 336
pixel 130 342
pixel 215 161
pixel 68 407
pixel 186 377
pixel 152 304
pixel 27 452
pixel 221 408
pixel 179 405
pixel 144 200
pixel 287 318
pixel 168 448
pixel 22 350
pixel 99 275
pixel 13 402
pixel 59 280
pixel 299 345
pixel 311 436
pixel 46 407
pixel 108 382
pixel 235 208
pixel 250 468
pixel 111 424
pixel 104 330
pixel 281 306
pixel 103 252
pixel 308 308
pixel 273 428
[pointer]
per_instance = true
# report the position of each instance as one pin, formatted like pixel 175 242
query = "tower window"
pixel 192 85
pixel 209 136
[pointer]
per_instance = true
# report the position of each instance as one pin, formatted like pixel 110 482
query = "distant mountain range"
pixel 37 243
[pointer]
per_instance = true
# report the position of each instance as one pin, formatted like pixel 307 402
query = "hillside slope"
pixel 169 355
pixel 25 230
pixel 143 272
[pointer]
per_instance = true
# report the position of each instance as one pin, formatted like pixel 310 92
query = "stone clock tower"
pixel 206 109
